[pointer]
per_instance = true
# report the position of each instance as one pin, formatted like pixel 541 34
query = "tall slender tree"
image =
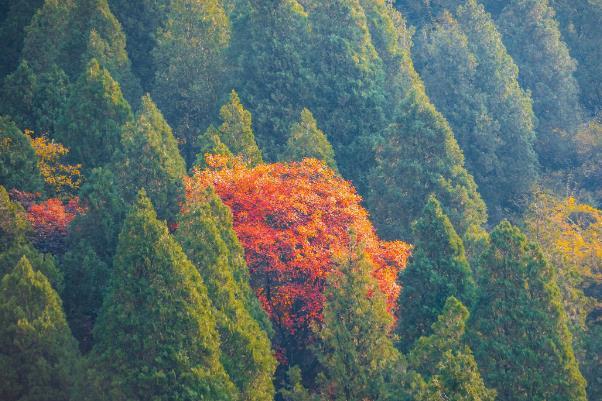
pixel 156 336
pixel 18 161
pixel 357 358
pixel 270 48
pixel 190 67
pixel 150 159
pixel 69 33
pixel 518 328
pixel 532 37
pixel 38 355
pixel 307 140
pixel 96 111
pixel 474 83
pixel 438 269
pixel 445 366
pixel 245 348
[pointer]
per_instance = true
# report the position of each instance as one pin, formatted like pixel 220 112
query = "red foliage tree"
pixel 293 220
pixel 50 220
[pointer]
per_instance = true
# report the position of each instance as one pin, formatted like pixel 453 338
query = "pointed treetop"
pixel 236 131
pixel 306 140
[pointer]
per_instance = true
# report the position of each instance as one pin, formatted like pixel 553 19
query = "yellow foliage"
pixel 60 177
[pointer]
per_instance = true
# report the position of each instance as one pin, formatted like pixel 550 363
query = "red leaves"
pixel 50 220
pixel 293 219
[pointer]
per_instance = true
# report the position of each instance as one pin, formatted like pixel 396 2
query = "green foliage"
pixel 474 82
pixel 86 277
pixel 190 68
pixel 518 328
pixel 245 348
pixel 533 39
pixel 357 358
pixel 209 143
pixel 92 242
pixel 156 335
pixel 12 32
pixel 236 131
pixel 581 29
pixel 35 101
pixel 91 124
pixel 446 368
pixel 348 99
pixel 38 355
pixel 294 390
pixel 14 243
pixel 306 140
pixel 437 270
pixel 140 21
pixel 69 33
pixel 419 156
pixel 18 161
pixel 150 159
pixel 270 47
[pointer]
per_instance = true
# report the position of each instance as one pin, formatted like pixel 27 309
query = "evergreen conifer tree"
pixel 156 335
pixel 91 124
pixel 357 359
pixel 348 85
pixel 270 46
pixel 518 328
pixel 69 33
pixel 236 131
pixel 18 161
pixel 140 22
pixel 38 355
pixel 12 32
pixel 34 101
pixel 445 367
pixel 209 143
pixel 190 68
pixel 420 144
pixel 438 269
pixel 473 81
pixel 245 347
pixel 150 159
pixel 307 140
pixel 546 68
pixel 14 243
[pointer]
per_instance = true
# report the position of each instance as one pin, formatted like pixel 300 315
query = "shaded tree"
pixel 518 329
pixel 18 161
pixel 155 335
pixel 38 355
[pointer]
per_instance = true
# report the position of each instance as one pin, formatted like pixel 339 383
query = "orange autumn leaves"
pixel 293 221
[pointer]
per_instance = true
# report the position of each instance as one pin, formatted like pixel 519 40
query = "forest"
pixel 300 200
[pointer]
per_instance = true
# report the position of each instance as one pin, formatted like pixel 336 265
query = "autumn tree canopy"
pixel 292 219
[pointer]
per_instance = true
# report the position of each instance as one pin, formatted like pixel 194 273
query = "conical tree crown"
pixel 518 328
pixel 270 48
pixel 306 140
pixel 69 33
pixel 18 161
pixel 209 143
pixel 156 335
pixel 357 359
pixel 150 159
pixel 39 355
pixel 236 131
pixel 437 270
pixel 446 369
pixel 95 113
pixel 245 347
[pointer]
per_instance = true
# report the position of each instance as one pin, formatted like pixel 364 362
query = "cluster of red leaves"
pixel 293 220
pixel 50 220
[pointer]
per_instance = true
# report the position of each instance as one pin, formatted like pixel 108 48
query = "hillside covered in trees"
pixel 300 200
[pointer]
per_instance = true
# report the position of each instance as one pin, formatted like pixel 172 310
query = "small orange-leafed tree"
pixel 292 220
pixel 50 220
